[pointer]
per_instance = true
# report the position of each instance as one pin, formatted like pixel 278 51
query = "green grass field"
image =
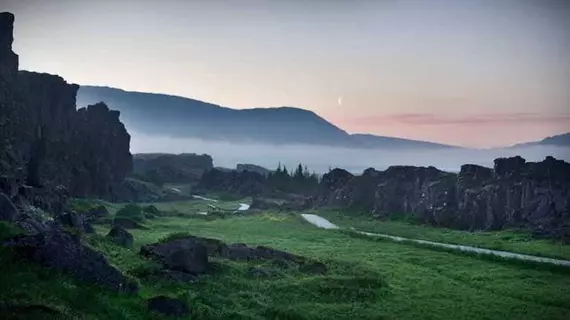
pixel 366 280
pixel 507 240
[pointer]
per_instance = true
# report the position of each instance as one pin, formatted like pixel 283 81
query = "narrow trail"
pixel 203 198
pixel 242 206
pixel 325 224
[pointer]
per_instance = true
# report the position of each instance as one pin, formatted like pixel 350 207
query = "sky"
pixel 478 73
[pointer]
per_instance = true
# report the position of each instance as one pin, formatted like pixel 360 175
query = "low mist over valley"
pixel 269 136
pixel 321 158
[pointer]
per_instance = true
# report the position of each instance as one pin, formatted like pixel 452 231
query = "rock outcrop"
pixel 45 142
pixel 63 252
pixel 244 183
pixel 121 237
pixel 50 151
pixel 189 254
pixel 103 159
pixel 515 193
pixel 171 168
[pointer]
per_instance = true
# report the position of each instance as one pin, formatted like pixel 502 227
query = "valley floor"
pixel 366 279
pixel 506 240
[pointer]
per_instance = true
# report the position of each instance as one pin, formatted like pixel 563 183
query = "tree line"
pixel 298 180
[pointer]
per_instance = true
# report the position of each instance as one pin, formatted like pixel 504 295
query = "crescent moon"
pixel 340 101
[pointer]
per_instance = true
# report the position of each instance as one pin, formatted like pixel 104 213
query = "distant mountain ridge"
pixel 166 115
pixel 561 140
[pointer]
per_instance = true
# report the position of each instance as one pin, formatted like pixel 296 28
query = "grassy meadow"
pixel 507 240
pixel 367 279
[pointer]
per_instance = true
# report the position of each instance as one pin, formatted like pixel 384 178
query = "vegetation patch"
pixel 506 240
pixel 365 279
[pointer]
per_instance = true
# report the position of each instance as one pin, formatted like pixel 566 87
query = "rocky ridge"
pixel 46 142
pixel 514 194
pixel 49 152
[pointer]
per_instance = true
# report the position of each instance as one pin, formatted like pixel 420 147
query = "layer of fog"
pixel 321 158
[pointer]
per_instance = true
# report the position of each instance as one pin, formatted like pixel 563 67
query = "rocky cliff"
pixel 515 193
pixel 243 183
pixel 46 142
pixel 172 168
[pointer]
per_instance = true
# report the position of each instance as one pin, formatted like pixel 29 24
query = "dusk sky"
pixel 476 73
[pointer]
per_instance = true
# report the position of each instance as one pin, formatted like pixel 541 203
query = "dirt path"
pixel 203 198
pixel 325 224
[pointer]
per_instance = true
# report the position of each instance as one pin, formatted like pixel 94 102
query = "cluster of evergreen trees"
pixel 299 180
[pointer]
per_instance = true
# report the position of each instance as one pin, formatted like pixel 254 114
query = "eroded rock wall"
pixel 515 193
pixel 45 142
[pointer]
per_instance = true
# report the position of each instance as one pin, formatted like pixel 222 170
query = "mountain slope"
pixel 160 114
pixel 561 140
pixel 373 141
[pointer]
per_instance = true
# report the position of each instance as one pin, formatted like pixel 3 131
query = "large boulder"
pixel 244 253
pixel 65 253
pixel 188 254
pixel 121 237
pixel 192 260
pixel 160 250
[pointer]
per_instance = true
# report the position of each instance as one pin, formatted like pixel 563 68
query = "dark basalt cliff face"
pixel 515 193
pixel 45 142
pixel 172 168
pixel 243 183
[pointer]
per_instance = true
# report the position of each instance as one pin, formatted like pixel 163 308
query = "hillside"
pixel 561 140
pixel 159 114
pixel 373 141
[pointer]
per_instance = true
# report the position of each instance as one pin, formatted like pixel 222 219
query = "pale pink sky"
pixel 468 72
